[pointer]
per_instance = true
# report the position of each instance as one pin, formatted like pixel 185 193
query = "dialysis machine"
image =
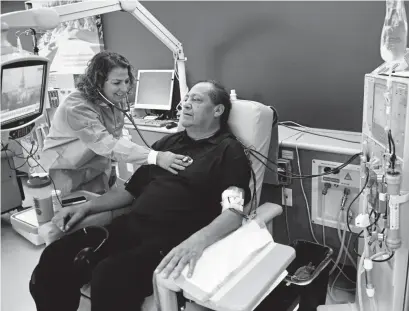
pixel 382 280
pixel 382 218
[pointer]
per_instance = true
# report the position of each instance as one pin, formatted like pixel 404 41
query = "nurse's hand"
pixel 172 162
pixel 69 216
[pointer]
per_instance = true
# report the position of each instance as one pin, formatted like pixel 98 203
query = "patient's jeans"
pixel 121 276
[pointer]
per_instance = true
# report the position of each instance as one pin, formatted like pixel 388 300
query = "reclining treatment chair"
pixel 251 123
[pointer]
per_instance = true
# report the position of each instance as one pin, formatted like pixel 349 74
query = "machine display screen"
pixel 154 89
pixel 21 92
pixel 379 111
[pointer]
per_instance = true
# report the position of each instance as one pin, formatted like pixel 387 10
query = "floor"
pixel 19 257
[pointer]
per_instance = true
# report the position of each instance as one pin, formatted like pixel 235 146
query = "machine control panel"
pixel 21 132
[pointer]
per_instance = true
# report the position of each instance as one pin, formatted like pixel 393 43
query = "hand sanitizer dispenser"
pixel 233 95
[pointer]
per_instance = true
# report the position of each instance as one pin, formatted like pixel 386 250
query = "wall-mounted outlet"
pixel 328 192
pixel 287 197
pixel 284 171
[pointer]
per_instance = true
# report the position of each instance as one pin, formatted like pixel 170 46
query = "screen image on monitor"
pixel 23 85
pixel 154 89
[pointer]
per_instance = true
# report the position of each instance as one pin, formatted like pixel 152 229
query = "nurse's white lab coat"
pixel 84 137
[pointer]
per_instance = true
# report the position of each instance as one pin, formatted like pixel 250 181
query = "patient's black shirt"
pixel 179 205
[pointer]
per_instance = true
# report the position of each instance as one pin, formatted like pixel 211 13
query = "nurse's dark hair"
pixel 220 96
pixel 97 72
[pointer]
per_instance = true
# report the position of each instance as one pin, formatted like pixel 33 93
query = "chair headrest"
pixel 251 122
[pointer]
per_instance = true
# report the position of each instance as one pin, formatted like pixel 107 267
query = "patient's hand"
pixel 66 218
pixel 187 252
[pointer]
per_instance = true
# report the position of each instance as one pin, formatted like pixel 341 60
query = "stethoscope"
pixel 125 112
pixel 122 109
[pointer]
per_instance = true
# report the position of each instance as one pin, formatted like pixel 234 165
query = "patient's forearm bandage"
pixel 232 198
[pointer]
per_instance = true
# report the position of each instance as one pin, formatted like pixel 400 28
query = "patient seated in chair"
pixel 173 218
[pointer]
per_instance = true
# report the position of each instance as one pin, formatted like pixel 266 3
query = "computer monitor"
pixel 23 91
pixel 156 90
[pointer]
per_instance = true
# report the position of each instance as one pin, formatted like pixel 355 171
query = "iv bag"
pixel 394 31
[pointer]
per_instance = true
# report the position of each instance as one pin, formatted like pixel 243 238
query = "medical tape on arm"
pixel 232 198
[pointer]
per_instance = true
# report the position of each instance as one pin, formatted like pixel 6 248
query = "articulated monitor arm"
pixel 49 18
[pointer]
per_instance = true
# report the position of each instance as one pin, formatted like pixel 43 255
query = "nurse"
pixel 86 131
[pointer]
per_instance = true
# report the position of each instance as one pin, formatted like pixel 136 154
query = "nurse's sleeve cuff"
pixel 152 156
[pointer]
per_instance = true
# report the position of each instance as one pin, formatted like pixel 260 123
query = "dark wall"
pixel 308 59
pixel 11 6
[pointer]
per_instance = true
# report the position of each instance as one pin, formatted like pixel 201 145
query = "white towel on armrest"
pixel 224 259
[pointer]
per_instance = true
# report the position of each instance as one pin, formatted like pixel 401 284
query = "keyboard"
pixel 151 123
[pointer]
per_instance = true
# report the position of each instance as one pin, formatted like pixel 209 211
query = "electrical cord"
pixel 374 260
pixel 286 215
pixel 323 219
pixel 342 239
pixel 253 201
pixel 4 147
pixel 30 155
pixel 377 216
pixel 305 198
pixel 300 176
pixel 247 151
pixel 321 135
pixel 386 259
pixel 310 128
pixel 42 169
pixel 339 268
pixel 331 291
pixel 352 202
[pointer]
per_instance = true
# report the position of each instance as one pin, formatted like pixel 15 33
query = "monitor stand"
pixel 26 224
pixel 165 115
pixel 10 184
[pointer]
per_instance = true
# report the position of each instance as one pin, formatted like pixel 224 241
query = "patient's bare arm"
pixel 113 199
pixel 71 215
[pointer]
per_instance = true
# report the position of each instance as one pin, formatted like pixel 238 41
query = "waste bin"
pixel 310 273
pixel 306 282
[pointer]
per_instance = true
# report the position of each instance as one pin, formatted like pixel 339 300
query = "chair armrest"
pixel 50 232
pixel 247 289
pixel 267 211
pixel 166 288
